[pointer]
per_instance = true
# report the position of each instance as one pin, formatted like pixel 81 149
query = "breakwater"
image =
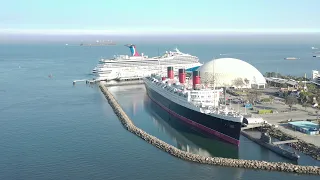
pixel 302 146
pixel 249 164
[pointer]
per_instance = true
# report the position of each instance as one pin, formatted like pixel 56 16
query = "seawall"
pixel 248 164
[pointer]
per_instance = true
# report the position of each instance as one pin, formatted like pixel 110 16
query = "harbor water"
pixel 51 129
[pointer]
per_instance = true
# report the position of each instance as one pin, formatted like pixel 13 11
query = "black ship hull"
pixel 226 130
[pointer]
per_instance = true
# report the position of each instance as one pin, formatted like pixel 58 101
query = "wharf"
pixel 84 80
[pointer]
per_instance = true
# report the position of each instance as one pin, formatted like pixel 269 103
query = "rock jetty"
pixel 302 146
pixel 249 164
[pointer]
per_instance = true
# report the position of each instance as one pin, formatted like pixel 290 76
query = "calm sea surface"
pixel 51 129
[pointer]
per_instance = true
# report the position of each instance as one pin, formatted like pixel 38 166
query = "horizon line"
pixel 133 31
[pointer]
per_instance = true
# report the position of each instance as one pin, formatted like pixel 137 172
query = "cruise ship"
pixel 139 66
pixel 194 104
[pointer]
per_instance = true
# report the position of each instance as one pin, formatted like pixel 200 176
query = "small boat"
pixel 316 56
pixel 291 58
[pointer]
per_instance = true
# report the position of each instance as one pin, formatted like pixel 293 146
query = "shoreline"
pixel 227 162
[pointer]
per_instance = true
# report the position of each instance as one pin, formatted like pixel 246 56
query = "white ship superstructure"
pixel 139 66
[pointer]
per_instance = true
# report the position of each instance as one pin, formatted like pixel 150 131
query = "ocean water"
pixel 51 129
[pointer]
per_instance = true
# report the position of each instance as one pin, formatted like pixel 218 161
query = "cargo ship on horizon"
pixel 194 104
pixel 100 43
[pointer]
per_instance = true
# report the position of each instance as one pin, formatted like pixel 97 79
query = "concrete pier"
pixel 249 164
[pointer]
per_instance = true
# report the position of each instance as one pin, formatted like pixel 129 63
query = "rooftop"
pixel 282 81
pixel 304 124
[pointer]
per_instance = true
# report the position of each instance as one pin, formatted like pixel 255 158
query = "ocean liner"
pixel 195 104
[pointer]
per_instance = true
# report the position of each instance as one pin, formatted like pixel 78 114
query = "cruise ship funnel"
pixel 170 72
pixel 182 76
pixel 196 79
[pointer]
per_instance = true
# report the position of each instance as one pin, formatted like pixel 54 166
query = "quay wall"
pixel 302 146
pixel 248 164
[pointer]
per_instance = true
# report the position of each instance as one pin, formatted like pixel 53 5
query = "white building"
pixel 315 75
pixel 230 72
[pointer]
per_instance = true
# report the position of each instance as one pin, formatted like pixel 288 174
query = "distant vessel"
pixel 99 43
pixel 314 48
pixel 291 58
pixel 316 56
pixel 194 104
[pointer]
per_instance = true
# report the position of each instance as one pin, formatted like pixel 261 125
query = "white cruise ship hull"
pixel 127 73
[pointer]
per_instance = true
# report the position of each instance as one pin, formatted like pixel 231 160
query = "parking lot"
pixel 281 113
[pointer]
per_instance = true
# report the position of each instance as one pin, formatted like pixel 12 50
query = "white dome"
pixel 229 71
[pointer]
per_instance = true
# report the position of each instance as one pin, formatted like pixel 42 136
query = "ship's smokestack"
pixel 182 76
pixel 170 72
pixel 196 79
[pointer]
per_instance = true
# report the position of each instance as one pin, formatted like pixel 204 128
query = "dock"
pixel 129 78
pixel 116 82
pixel 84 80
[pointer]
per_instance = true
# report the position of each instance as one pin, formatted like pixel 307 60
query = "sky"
pixel 158 16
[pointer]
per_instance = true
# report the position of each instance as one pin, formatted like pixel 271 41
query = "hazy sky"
pixel 149 16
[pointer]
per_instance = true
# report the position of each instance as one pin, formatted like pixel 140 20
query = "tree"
pixel 290 101
pixel 317 112
pixel 253 96
pixel 285 94
pixel 300 84
pixel 305 105
pixel 250 98
pixel 246 81
pixel 318 117
pixel 271 98
pixel 304 97
pixel 238 82
pixel 312 87
pixel 256 94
